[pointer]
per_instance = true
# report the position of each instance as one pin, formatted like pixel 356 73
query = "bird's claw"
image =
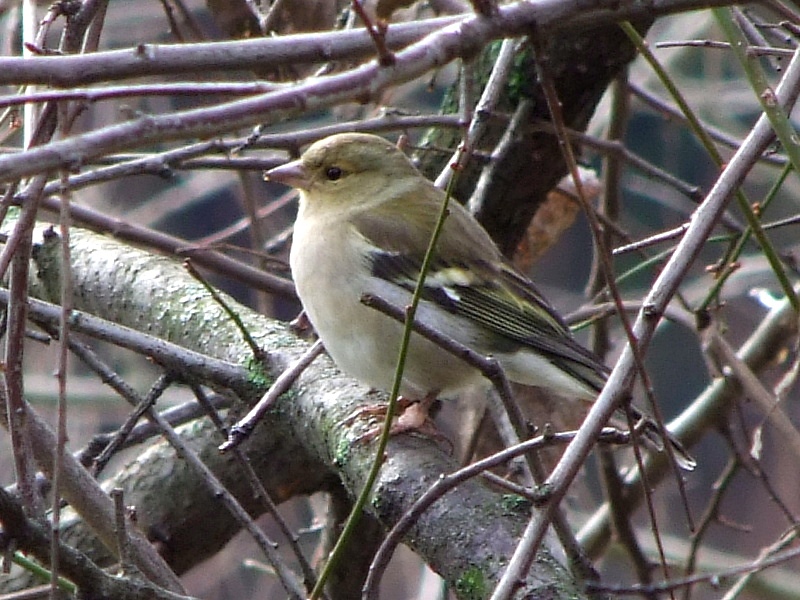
pixel 412 417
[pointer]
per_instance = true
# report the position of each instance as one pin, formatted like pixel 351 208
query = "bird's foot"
pixel 412 417
pixel 375 411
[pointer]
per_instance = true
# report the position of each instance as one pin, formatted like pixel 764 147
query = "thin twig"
pixel 780 323
pixel 448 482
pixel 485 107
pixel 673 584
pixel 259 354
pixel 244 426
pixel 123 543
pixel 766 402
pixel 171 356
pixel 259 489
pixel 378 35
pixel 286 576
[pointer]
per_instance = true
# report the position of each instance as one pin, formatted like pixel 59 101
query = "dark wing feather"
pixel 503 302
pixel 476 282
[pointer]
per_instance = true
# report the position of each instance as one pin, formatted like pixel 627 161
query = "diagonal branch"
pixel 462 39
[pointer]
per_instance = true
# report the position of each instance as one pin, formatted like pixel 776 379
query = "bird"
pixel 364 222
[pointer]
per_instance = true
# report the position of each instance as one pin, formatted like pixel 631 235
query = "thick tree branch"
pixel 173 59
pixel 299 448
pixel 462 39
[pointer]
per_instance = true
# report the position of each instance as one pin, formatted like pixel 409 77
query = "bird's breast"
pixel 332 272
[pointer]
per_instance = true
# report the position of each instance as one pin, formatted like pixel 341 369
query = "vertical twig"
pixel 121 529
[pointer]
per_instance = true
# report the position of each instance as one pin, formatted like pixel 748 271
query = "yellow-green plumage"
pixel 365 220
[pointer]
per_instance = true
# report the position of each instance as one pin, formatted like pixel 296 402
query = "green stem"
pixel 743 239
pixel 39 571
pixel 355 514
pixel 754 225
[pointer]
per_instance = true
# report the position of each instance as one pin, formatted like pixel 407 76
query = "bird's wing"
pixel 485 290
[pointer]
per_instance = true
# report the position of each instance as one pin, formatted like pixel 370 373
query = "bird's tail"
pixel 653 437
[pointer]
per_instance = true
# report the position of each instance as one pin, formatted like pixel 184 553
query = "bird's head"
pixel 345 168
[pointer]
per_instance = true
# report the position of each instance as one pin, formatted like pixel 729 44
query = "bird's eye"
pixel 333 173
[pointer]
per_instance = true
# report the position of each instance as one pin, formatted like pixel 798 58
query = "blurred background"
pixel 214 207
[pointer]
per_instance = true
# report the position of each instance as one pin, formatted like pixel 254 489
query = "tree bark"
pixel 300 447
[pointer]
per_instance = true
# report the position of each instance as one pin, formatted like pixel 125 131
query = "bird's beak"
pixel 292 174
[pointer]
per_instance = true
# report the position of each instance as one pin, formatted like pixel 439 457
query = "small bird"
pixel 365 220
